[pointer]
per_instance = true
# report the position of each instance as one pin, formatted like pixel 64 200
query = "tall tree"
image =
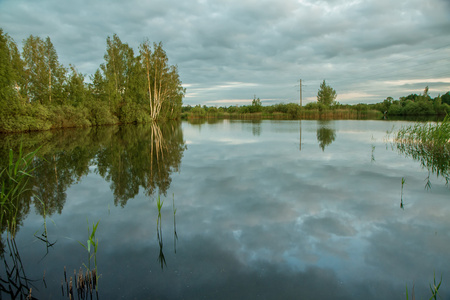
pixel 160 70
pixel 175 94
pixel 115 70
pixel 56 74
pixel 146 60
pixel 18 65
pixel 35 68
pixel 163 84
pixel 6 69
pixel 326 94
pixel 98 86
pixel 75 89
pixel 46 76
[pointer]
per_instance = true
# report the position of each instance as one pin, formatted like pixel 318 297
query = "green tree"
pixel 7 74
pixel 326 94
pixel 115 70
pixel 98 86
pixel 162 83
pixel 256 104
pixel 446 98
pixel 160 69
pixel 75 88
pixel 45 75
pixel 56 73
pixel 35 68
pixel 146 60
pixel 18 65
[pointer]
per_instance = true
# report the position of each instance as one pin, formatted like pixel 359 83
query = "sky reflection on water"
pixel 261 216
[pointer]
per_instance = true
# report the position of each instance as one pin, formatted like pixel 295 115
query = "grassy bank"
pixel 303 114
pixel 36 117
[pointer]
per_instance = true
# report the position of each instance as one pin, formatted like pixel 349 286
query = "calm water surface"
pixel 252 210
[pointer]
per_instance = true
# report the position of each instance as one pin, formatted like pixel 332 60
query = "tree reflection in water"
pixel 130 157
pixel 325 134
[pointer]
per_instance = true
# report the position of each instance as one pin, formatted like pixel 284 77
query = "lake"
pixel 247 210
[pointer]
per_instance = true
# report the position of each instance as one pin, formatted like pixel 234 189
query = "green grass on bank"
pixel 304 114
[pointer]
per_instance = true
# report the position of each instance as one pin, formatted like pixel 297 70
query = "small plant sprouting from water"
pixel 434 288
pixel 401 195
pixel 159 205
pixel 161 258
pixel 175 236
pixel 92 242
pixel 373 154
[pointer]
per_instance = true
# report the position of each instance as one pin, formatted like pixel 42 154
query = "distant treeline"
pixel 38 93
pixel 411 105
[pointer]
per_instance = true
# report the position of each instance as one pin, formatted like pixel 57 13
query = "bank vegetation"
pixel 38 93
pixel 327 108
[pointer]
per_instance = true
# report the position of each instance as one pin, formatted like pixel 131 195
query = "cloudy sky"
pixel 229 51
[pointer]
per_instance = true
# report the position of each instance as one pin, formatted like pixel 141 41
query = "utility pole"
pixel 300 92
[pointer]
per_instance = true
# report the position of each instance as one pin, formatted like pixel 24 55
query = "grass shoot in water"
pixel 92 242
pixel 161 257
pixel 14 182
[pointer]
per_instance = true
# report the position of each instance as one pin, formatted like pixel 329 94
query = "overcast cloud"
pixel 229 51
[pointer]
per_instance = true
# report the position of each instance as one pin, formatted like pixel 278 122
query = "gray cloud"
pixel 267 46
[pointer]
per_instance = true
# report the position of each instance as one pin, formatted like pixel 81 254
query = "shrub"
pixel 100 114
pixel 69 116
pixel 395 109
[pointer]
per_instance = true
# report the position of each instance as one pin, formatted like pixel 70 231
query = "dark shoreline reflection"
pixel 129 157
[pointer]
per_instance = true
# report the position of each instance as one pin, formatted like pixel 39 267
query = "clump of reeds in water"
pixel 434 137
pixel 429 143
pixel 14 179
pixel 84 283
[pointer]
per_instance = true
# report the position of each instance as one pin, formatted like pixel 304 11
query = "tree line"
pixel 326 106
pixel 37 92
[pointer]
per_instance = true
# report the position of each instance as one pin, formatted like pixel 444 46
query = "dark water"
pixel 251 210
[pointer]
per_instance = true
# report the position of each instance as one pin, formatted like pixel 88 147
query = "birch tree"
pixel 163 85
pixel 46 76
pixel 6 69
pixel 146 60
pixel 120 72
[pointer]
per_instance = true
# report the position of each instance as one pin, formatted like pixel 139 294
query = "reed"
pixel 434 288
pixel 429 144
pixel 401 195
pixel 14 182
pixel 175 235
pixel 84 284
pixel 92 243
pixel 433 136
pixel 161 257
